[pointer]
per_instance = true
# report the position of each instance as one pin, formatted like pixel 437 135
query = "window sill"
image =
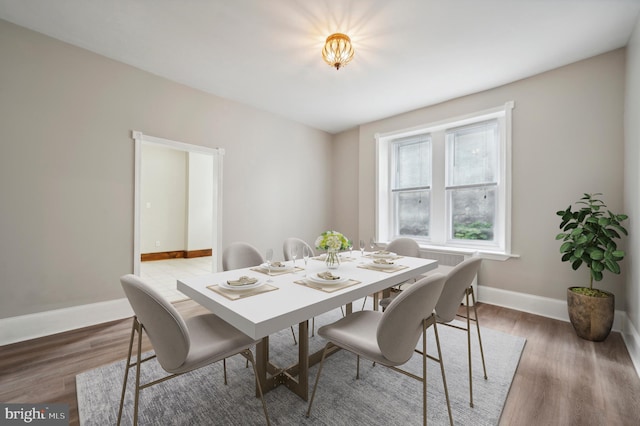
pixel 485 254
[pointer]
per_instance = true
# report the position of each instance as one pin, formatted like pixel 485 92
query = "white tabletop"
pixel 266 313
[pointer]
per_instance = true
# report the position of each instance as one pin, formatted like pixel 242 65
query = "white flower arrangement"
pixel 332 240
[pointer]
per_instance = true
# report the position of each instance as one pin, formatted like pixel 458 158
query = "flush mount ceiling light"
pixel 337 50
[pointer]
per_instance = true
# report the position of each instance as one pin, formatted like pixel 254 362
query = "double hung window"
pixel 447 184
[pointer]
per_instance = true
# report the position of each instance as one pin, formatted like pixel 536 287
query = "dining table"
pixel 289 295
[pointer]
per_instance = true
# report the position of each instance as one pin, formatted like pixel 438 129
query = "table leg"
pixel 262 361
pixel 295 377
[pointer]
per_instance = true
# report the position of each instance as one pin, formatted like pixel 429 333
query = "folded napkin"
pixel 382 252
pixel 243 280
pixel 328 276
pixel 277 265
pixel 383 262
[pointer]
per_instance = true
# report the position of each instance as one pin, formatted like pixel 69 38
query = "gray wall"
pixel 67 169
pixel 632 176
pixel 345 200
pixel 164 184
pixel 567 140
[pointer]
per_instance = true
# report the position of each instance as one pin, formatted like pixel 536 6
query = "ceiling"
pixel 266 53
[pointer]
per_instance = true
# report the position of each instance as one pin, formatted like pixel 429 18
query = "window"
pixel 447 184
pixel 411 186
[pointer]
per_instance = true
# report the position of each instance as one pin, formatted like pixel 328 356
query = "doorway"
pixel 178 205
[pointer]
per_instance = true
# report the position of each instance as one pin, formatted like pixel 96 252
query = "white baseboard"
pixel 632 341
pixel 26 327
pixel 538 305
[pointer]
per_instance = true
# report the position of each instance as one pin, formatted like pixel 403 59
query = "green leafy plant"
pixel 473 231
pixel 589 237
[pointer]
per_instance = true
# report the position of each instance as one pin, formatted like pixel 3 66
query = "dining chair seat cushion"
pixel 357 333
pixel 212 339
pixel 387 300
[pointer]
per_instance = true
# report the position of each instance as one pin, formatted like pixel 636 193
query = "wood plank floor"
pixel 561 379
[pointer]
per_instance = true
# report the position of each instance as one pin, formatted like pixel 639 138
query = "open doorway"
pixel 177 211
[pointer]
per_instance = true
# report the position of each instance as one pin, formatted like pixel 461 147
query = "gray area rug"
pixel 380 397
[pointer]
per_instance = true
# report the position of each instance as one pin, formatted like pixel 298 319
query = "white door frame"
pixel 217 154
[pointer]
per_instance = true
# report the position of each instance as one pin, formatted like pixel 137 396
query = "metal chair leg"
pixel 475 315
pixel 469 352
pixel 315 386
pixel 138 362
pixel 224 367
pixel 444 379
pixel 126 370
pixel 424 372
pixel 295 342
pixel 249 355
pixel 470 292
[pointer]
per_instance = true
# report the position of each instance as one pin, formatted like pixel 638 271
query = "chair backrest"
pixel 163 324
pixel 401 325
pixel 458 280
pixel 240 255
pixel 404 246
pixel 295 242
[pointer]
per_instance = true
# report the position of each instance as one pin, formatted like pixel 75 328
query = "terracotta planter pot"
pixel 591 317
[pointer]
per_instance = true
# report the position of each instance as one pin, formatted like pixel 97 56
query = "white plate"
pixel 382 265
pixel 284 267
pixel 383 255
pixel 241 287
pixel 316 279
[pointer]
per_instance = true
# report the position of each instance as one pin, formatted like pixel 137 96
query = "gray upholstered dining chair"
pixel 390 337
pixel 243 255
pixel 240 255
pixel 458 286
pixel 291 242
pixel 402 246
pixel 180 345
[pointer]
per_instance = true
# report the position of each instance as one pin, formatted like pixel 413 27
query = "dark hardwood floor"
pixel 561 379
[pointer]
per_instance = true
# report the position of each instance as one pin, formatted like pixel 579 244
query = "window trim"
pixel 384 229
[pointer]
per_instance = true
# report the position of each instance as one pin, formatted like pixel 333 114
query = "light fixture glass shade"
pixel 337 50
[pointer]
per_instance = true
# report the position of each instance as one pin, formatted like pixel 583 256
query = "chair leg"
pixel 315 386
pixel 295 342
pixel 468 293
pixel 138 362
pixel 249 355
pixel 444 379
pixel 363 303
pixel 126 371
pixel 313 325
pixel 224 367
pixel 424 372
pixel 357 367
pixel 469 354
pixel 475 315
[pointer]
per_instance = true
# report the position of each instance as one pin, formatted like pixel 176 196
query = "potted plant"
pixel 589 238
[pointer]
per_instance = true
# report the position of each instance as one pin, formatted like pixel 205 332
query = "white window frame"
pixel 438 238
